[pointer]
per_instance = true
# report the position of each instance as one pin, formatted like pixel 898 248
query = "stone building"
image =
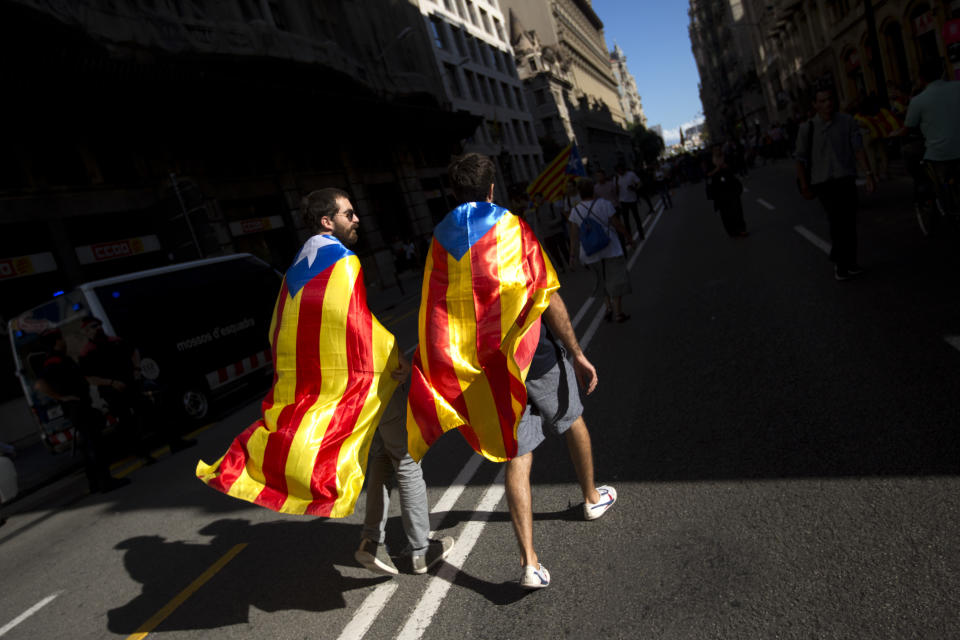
pixel 801 43
pixel 860 48
pixel 723 49
pixel 143 133
pixel 564 63
pixel 474 56
pixel 630 101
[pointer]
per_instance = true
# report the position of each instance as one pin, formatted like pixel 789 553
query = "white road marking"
pixel 953 341
pixel 816 240
pixel 429 604
pixel 368 611
pixel 766 204
pixel 582 312
pixel 29 612
pixel 648 230
pixel 374 603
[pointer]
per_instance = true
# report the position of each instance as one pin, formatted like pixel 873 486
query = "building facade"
pixel 565 66
pixel 144 133
pixel 630 101
pixel 862 49
pixel 473 54
pixel 723 48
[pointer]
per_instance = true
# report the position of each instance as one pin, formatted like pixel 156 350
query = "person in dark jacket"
pixel 724 188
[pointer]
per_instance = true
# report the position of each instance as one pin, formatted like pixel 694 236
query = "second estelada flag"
pixel 332 361
pixel 486 282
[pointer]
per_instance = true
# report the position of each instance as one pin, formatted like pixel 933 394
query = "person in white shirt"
pixel 628 186
pixel 608 263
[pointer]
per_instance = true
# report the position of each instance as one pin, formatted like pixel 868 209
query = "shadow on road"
pixel 286 565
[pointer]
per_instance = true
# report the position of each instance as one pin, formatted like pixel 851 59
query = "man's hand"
pixel 871 185
pixel 402 372
pixel 586 374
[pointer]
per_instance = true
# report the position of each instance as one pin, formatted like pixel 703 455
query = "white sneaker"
pixel 593 510
pixel 535 577
pixel 374 557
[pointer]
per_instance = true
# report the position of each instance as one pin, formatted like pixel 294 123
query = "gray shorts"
pixel 553 403
pixel 612 277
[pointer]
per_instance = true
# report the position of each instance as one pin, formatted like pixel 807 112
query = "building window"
pixel 519 98
pixel 486 22
pixel 486 90
pixel 507 95
pixel 474 50
pixel 451 72
pixel 518 131
pixel 460 10
pixel 548 126
pixel 459 41
pixel 472 13
pixel 279 18
pixel 436 30
pixel 472 85
pixel 448 5
pixel 539 96
pixel 499 28
pixel 529 131
pixel 533 63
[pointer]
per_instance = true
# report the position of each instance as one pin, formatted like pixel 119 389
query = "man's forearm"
pixel 558 320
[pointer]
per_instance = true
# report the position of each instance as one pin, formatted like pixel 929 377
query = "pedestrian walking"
pixel 724 188
pixel 498 288
pixel 608 263
pixel 336 372
pixel 829 147
pixel 934 111
pixel 628 186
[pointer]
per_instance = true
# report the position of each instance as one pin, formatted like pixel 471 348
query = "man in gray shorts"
pixel 553 407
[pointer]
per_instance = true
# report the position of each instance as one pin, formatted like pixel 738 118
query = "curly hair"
pixel 321 203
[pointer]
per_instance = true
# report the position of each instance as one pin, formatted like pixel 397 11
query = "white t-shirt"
pixel 602 211
pixel 624 182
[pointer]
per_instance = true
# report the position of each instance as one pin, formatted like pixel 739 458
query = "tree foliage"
pixel 648 146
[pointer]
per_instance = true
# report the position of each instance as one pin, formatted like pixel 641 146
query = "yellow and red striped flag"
pixel 553 180
pixel 332 358
pixel 486 282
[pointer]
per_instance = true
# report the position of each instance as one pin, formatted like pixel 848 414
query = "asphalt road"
pixel 784 447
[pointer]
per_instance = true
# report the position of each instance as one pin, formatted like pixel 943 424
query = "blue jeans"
pixel 389 463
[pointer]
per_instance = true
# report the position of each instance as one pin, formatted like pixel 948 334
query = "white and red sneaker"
pixel 593 510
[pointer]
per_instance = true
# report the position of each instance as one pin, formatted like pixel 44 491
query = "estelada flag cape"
pixel 486 282
pixel 332 361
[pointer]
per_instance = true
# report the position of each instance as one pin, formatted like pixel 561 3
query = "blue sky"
pixel 653 35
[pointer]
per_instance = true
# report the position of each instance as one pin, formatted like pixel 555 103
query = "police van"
pixel 200 329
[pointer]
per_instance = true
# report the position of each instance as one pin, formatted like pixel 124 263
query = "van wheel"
pixel 194 403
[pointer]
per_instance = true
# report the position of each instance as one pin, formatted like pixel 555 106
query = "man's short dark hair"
pixel 321 203
pixel 931 69
pixel 585 188
pixel 471 176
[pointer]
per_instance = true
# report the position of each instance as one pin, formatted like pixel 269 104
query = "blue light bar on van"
pixel 19 334
pixel 116 294
pixel 76 306
pixel 57 293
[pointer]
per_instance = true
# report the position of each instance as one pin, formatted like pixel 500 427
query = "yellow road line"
pixel 181 597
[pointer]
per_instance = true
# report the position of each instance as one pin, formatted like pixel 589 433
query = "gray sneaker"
pixel 436 551
pixel 374 557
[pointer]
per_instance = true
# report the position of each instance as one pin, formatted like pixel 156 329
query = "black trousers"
pixel 839 200
pixel 628 210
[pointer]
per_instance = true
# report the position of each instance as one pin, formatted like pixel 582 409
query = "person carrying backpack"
pixel 593 226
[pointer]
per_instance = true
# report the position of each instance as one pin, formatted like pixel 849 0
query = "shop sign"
pixel 924 23
pixel 19 266
pixel 103 251
pixel 255 225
